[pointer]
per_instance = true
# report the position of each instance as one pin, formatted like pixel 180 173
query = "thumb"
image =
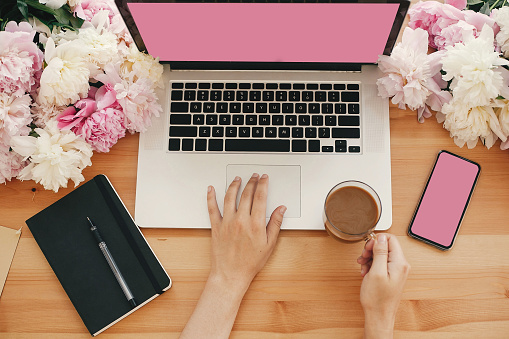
pixel 380 255
pixel 274 225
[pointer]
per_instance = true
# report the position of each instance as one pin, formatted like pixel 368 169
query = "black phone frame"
pixel 431 242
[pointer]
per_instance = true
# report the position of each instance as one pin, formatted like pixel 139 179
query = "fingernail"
pixel 255 175
pixel 236 179
pixel 209 189
pixel 282 210
pixel 362 270
pixel 360 258
pixel 265 176
pixel 382 238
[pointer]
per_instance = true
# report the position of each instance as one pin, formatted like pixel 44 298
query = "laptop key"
pixel 300 108
pixel 314 108
pixel 297 132
pixel 314 145
pixel 320 96
pixel 340 146
pixel 183 131
pixel 304 120
pixel 275 108
pixel 270 132
pixel 228 95
pixel 177 95
pixel 353 108
pixel 204 132
pixel 339 87
pixel 291 120
pixel 287 108
pixel 307 96
pixel 264 120
pixel 257 132
pixel 284 132
pixel 346 133
pixel 222 107
pixel 340 108
pixel 248 107
pixel 215 145
pixel 204 86
pixel 261 108
pixel 211 119
pixel 200 145
pixel 352 86
pixel 189 95
pixel 244 132
pixel 350 96
pixel 231 86
pixel 310 132
pixel 242 95
pixel 255 95
pixel 333 96
pixel 317 120
pixel 217 132
pixel 231 132
pixel 348 120
pixel 187 144
pixel 251 120
pixel 234 107
pixel 203 95
pixel 196 107
pixel 238 120
pixel 330 120
pixel 191 85
pixel 327 149
pixel 180 119
pixel 324 132
pixel 177 85
pixel 218 86
pixel 198 119
pixel 209 107
pixel 179 107
pixel 294 96
pixel 268 95
pixel 271 86
pixel 257 145
pixel 281 95
pixel 174 145
pixel 354 149
pixel 215 95
pixel 299 145
pixel 277 120
pixel 224 119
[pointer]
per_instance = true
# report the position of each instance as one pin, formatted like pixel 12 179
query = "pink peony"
pixel 20 59
pixel 11 163
pixel 459 4
pixel 433 17
pixel 100 119
pixel 87 9
pixel 14 116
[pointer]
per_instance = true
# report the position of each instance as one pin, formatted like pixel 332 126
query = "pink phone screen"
pixel 445 199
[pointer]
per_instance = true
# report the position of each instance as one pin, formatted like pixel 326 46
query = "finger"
pixel 246 199
pixel 214 213
pixel 274 225
pixel 366 267
pixel 367 252
pixel 259 208
pixel 395 251
pixel 380 255
pixel 230 198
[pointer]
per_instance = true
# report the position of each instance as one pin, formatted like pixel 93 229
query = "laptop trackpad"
pixel 284 185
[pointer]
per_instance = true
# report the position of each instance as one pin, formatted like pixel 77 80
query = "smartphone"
pixel 445 199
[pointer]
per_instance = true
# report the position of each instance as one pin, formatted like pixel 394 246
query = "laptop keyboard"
pixel 270 117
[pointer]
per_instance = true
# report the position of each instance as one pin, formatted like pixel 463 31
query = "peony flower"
pixel 409 74
pixel 459 4
pixel 55 156
pixel 455 33
pixel 468 124
pixel 87 9
pixel 501 17
pixel 11 163
pixel 20 59
pixel 502 112
pixel 140 65
pixel 137 99
pixel 101 46
pixel 100 120
pixel 433 17
pixel 65 78
pixel 14 116
pixel 42 113
pixel 473 68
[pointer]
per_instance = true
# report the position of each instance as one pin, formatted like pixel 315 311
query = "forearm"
pixel 378 327
pixel 216 310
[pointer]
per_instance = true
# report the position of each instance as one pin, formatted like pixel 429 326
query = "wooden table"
pixel 310 286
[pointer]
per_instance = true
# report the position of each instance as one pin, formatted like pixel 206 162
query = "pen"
pixel 111 262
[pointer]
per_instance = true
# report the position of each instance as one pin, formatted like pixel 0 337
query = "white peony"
pixel 101 46
pixel 501 17
pixel 55 156
pixel 468 124
pixel 502 112
pixel 473 68
pixel 65 79
pixel 14 116
pixel 139 65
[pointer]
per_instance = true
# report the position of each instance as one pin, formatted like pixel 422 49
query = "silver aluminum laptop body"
pixel 171 187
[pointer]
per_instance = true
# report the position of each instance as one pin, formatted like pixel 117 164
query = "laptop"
pixel 287 89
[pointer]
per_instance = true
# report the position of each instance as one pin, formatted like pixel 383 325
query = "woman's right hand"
pixel 385 271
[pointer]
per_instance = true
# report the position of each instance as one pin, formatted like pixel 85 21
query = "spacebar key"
pixel 257 145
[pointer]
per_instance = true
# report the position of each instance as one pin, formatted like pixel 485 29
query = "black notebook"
pixel 63 234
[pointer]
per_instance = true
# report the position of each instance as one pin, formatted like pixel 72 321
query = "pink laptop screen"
pixel 265 32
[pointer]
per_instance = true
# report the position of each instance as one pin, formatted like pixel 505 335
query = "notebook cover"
pixel 63 234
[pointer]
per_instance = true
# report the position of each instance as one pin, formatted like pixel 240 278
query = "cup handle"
pixel 370 236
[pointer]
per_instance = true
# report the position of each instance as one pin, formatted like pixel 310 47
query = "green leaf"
pixel 474 2
pixel 485 9
pixel 37 5
pixel 23 8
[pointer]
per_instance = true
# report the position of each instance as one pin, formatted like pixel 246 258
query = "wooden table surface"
pixel 310 286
